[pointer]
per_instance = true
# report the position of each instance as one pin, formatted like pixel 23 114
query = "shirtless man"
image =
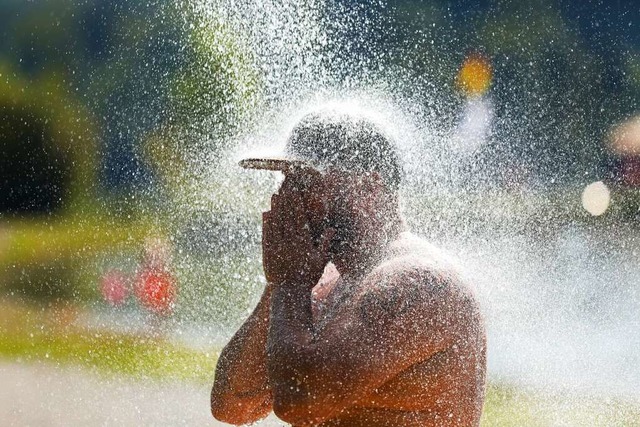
pixel 360 324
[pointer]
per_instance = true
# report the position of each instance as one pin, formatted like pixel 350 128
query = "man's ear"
pixel 374 188
pixel 373 178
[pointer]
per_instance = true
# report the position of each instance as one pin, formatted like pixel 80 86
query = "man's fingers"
pixel 288 218
pixel 276 214
pixel 271 232
pixel 267 233
pixel 298 216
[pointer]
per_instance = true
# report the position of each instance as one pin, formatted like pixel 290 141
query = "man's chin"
pixel 337 247
pixel 340 249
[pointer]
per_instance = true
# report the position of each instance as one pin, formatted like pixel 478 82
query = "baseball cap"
pixel 336 139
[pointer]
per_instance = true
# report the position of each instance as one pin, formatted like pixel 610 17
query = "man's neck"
pixel 358 260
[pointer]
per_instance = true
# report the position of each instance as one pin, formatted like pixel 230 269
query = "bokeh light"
pixel 474 77
pixel 596 198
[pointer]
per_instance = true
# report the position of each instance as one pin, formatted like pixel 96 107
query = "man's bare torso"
pixel 446 389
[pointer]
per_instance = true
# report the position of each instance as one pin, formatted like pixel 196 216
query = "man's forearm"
pixel 291 318
pixel 241 387
pixel 290 335
pixel 294 361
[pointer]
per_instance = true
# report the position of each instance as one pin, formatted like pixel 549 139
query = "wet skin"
pixel 386 335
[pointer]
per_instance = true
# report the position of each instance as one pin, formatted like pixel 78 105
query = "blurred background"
pixel 129 238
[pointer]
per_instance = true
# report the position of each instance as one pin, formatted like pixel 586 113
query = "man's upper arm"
pixel 401 319
pixel 404 317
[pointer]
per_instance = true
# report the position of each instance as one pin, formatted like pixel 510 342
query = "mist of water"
pixel 561 296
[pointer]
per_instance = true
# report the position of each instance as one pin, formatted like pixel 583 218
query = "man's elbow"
pixel 292 414
pixel 300 409
pixel 229 417
pixel 239 411
pixel 222 410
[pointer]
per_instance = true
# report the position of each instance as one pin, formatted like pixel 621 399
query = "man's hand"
pixel 290 255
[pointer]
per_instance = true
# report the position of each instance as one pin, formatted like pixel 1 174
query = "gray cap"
pixel 336 139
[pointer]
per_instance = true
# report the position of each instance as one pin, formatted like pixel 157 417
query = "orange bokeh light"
pixel 156 290
pixel 474 77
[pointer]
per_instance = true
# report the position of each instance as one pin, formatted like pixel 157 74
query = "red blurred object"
pixel 156 290
pixel 114 287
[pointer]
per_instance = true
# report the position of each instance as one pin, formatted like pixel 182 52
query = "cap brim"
pixel 280 164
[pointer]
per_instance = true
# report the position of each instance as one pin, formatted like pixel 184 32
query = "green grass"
pixel 508 406
pixel 505 407
pixel 30 333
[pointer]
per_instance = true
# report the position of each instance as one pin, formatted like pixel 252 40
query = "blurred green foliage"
pixel 82 87
pixel 135 67
pixel 57 259
pixel 68 135
pixel 30 334
pixel 220 85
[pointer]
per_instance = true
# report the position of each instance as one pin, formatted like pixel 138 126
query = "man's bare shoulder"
pixel 416 274
pixel 412 246
pixel 410 257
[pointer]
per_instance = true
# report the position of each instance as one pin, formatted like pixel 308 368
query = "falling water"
pixel 560 291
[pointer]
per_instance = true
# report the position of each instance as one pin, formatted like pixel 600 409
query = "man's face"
pixel 345 201
pixel 311 185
